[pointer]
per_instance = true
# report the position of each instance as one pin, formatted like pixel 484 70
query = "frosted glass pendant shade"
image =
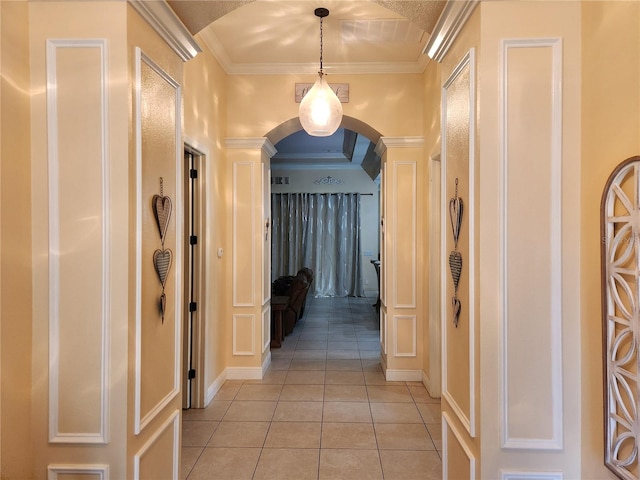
pixel 320 110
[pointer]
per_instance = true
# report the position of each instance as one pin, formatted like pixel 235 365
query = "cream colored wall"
pixel 431 114
pixel 458 354
pixel 15 244
pixel 610 134
pixel 522 378
pixel 99 20
pixel 205 107
pixel 391 104
pixel 157 442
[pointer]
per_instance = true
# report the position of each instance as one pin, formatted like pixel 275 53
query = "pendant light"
pixel 320 110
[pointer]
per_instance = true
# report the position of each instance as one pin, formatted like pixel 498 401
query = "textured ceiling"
pixel 282 36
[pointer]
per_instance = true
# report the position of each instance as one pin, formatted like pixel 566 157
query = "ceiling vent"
pixel 380 31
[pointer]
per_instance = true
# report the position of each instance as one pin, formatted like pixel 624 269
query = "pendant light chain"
pixel 321 72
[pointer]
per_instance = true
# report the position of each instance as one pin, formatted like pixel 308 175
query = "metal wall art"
pixel 162 258
pixel 455 257
pixel 620 264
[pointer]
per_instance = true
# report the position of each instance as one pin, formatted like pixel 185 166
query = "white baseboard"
pixel 403 375
pixel 215 387
pixel 433 392
pixel 249 373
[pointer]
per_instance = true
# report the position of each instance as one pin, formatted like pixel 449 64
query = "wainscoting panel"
pixel 158 172
pixel 405 335
pixel 244 274
pixel 244 334
pixel 531 244
pixel 79 245
pixel 458 181
pixel 457 462
pixel 152 461
pixel 404 192
pixel 266 327
pixel 77 471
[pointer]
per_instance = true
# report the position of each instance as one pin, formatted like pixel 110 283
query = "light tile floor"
pixel 323 411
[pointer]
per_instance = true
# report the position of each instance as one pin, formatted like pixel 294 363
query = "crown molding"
pixel 397 142
pixel 217 49
pixel 449 24
pixel 252 143
pixel 159 15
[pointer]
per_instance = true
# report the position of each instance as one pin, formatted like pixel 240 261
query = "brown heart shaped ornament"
pixel 162 208
pixel 455 265
pixel 457 307
pixel 162 261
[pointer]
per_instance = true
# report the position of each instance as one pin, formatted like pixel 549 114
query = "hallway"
pixel 322 411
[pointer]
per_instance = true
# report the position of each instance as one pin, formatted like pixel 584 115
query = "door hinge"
pixel 193 173
pixel 192 374
pixel 193 306
pixel 193 240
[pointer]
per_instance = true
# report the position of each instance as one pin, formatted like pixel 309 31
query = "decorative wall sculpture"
pixel 620 257
pixel 162 258
pixel 455 257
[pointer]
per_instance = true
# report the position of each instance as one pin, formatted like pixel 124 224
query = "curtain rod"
pixel 320 193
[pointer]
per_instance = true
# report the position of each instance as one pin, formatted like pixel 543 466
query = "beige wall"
pixel 391 104
pixel 610 134
pixel 460 352
pixel 205 107
pixel 431 246
pixel 15 244
pixel 155 368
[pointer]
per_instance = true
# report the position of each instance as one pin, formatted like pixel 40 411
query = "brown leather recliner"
pixel 297 295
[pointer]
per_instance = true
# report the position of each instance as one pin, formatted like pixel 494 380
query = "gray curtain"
pixel 320 231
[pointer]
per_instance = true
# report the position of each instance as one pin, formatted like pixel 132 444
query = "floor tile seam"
pixel 196 461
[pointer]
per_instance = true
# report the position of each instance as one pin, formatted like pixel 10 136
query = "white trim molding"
pixel 100 471
pixel 172 422
pixel 251 143
pixel 266 327
pixel 239 282
pixel 449 24
pixel 402 375
pixel 467 419
pixel 142 420
pixel 252 319
pixel 554 292
pixel 401 210
pixel 413 327
pixel 447 425
pixel 215 387
pixel 530 475
pixel 101 436
pixel 397 142
pixel 161 17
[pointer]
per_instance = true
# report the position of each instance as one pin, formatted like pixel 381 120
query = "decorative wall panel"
pixel 531 243
pixel 405 335
pixel 458 235
pixel 79 246
pixel 152 461
pixel 77 472
pixel 457 461
pixel 404 234
pixel 244 261
pixel 244 334
pixel 620 317
pixel 158 233
pixel 266 328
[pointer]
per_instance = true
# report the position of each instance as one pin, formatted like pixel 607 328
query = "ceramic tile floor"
pixel 323 411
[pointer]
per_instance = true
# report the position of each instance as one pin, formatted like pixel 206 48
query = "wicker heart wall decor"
pixel 163 257
pixel 456 207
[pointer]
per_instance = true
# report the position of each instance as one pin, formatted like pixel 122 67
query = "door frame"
pixel 193 338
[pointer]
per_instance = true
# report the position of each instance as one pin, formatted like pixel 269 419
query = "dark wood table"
pixel 278 305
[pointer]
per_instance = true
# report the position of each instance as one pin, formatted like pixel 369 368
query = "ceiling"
pixel 283 37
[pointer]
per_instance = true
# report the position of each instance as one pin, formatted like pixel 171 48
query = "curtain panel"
pixel 320 231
